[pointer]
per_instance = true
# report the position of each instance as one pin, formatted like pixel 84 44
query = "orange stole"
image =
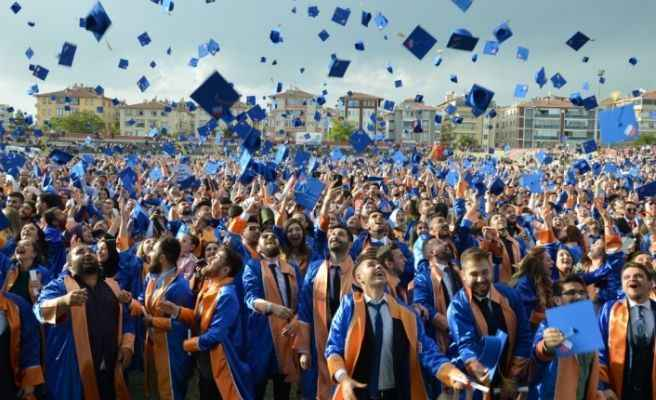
pixel 568 375
pixel 508 315
pixel 31 376
pixel 12 275
pixel 442 338
pixel 287 360
pixel 156 341
pixel 321 313
pixel 354 342
pixel 618 328
pixel 205 307
pixel 83 347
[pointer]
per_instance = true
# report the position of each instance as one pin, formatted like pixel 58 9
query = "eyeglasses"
pixel 575 293
pixel 631 210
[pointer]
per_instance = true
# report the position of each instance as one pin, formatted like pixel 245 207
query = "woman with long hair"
pixel 295 248
pixel 24 276
pixel 31 231
pixel 533 283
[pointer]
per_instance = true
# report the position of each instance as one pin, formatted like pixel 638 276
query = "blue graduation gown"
pixel 166 337
pixel 67 341
pixel 263 358
pixel 222 335
pixel 608 278
pixel 55 250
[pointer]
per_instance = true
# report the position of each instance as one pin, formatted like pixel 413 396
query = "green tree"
pixel 645 139
pixel 79 122
pixel 466 141
pixel 340 131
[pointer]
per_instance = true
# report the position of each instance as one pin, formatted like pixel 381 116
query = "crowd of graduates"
pixel 330 277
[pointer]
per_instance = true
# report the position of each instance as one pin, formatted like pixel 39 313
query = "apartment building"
pixel 293 111
pixel 400 124
pixel 76 98
pixel 468 126
pixel 543 122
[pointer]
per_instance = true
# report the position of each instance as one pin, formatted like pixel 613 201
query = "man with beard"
pixel 377 348
pixel 271 287
pixel 247 225
pixel 480 309
pixel 90 338
pixel 55 223
pixel 436 282
pixel 394 262
pixel 627 327
pixel 180 217
pixel 216 324
pixel 325 283
pixel 167 365
pixel 568 377
pixel 26 212
pixel 377 235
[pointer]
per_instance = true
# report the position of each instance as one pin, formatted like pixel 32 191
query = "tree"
pixel 78 122
pixel 645 139
pixel 340 131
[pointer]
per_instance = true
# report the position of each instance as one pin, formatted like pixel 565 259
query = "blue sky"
pixel 620 29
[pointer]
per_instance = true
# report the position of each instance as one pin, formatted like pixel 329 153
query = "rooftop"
pixel 547 102
pixel 76 90
pixel 361 96
pixel 297 93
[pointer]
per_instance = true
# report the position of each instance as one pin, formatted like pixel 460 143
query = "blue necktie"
pixel 378 337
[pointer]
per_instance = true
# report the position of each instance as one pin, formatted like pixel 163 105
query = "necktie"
pixel 378 349
pixel 490 318
pixel 282 289
pixel 449 281
pixel 641 327
pixel 335 288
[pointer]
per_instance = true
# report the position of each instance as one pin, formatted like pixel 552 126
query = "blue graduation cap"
pixel 60 157
pixel 301 158
pixel 308 192
pixel 212 167
pixel 313 11
pixel 399 158
pixel 256 113
pixel 590 103
pixel 39 72
pixel 169 148
pixel 577 41
pixel 544 158
pixel 324 35
pixel 474 57
pixel 578 322
pixel 388 105
pixel 123 63
pixel 576 99
pixel 359 45
pixel 589 146
pixel 491 48
pixel 67 54
pixel 341 15
pixel 215 95
pixel 479 99
pixel 463 4
pixel 532 182
pixel 29 53
pixel 420 42
pixel 646 191
pixel 541 77
pixel 633 61
pixel 360 140
pixel 521 90
pixel 281 154
pixel 337 68
pixel 144 39
pixel 366 18
pixel 570 176
pixel 276 36
pixel 97 21
pixel 462 39
pixel 492 350
pixel 502 32
pixel 558 80
pixel 128 178
pixel 398 83
pixel 522 53
pixel 155 174
pixel 143 84
pixel 618 125
pixel 612 169
pixel 336 155
pixel 15 8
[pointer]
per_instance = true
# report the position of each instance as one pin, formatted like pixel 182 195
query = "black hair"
pixel 170 248
pixel 235 262
pixel 571 278
pixel 51 215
